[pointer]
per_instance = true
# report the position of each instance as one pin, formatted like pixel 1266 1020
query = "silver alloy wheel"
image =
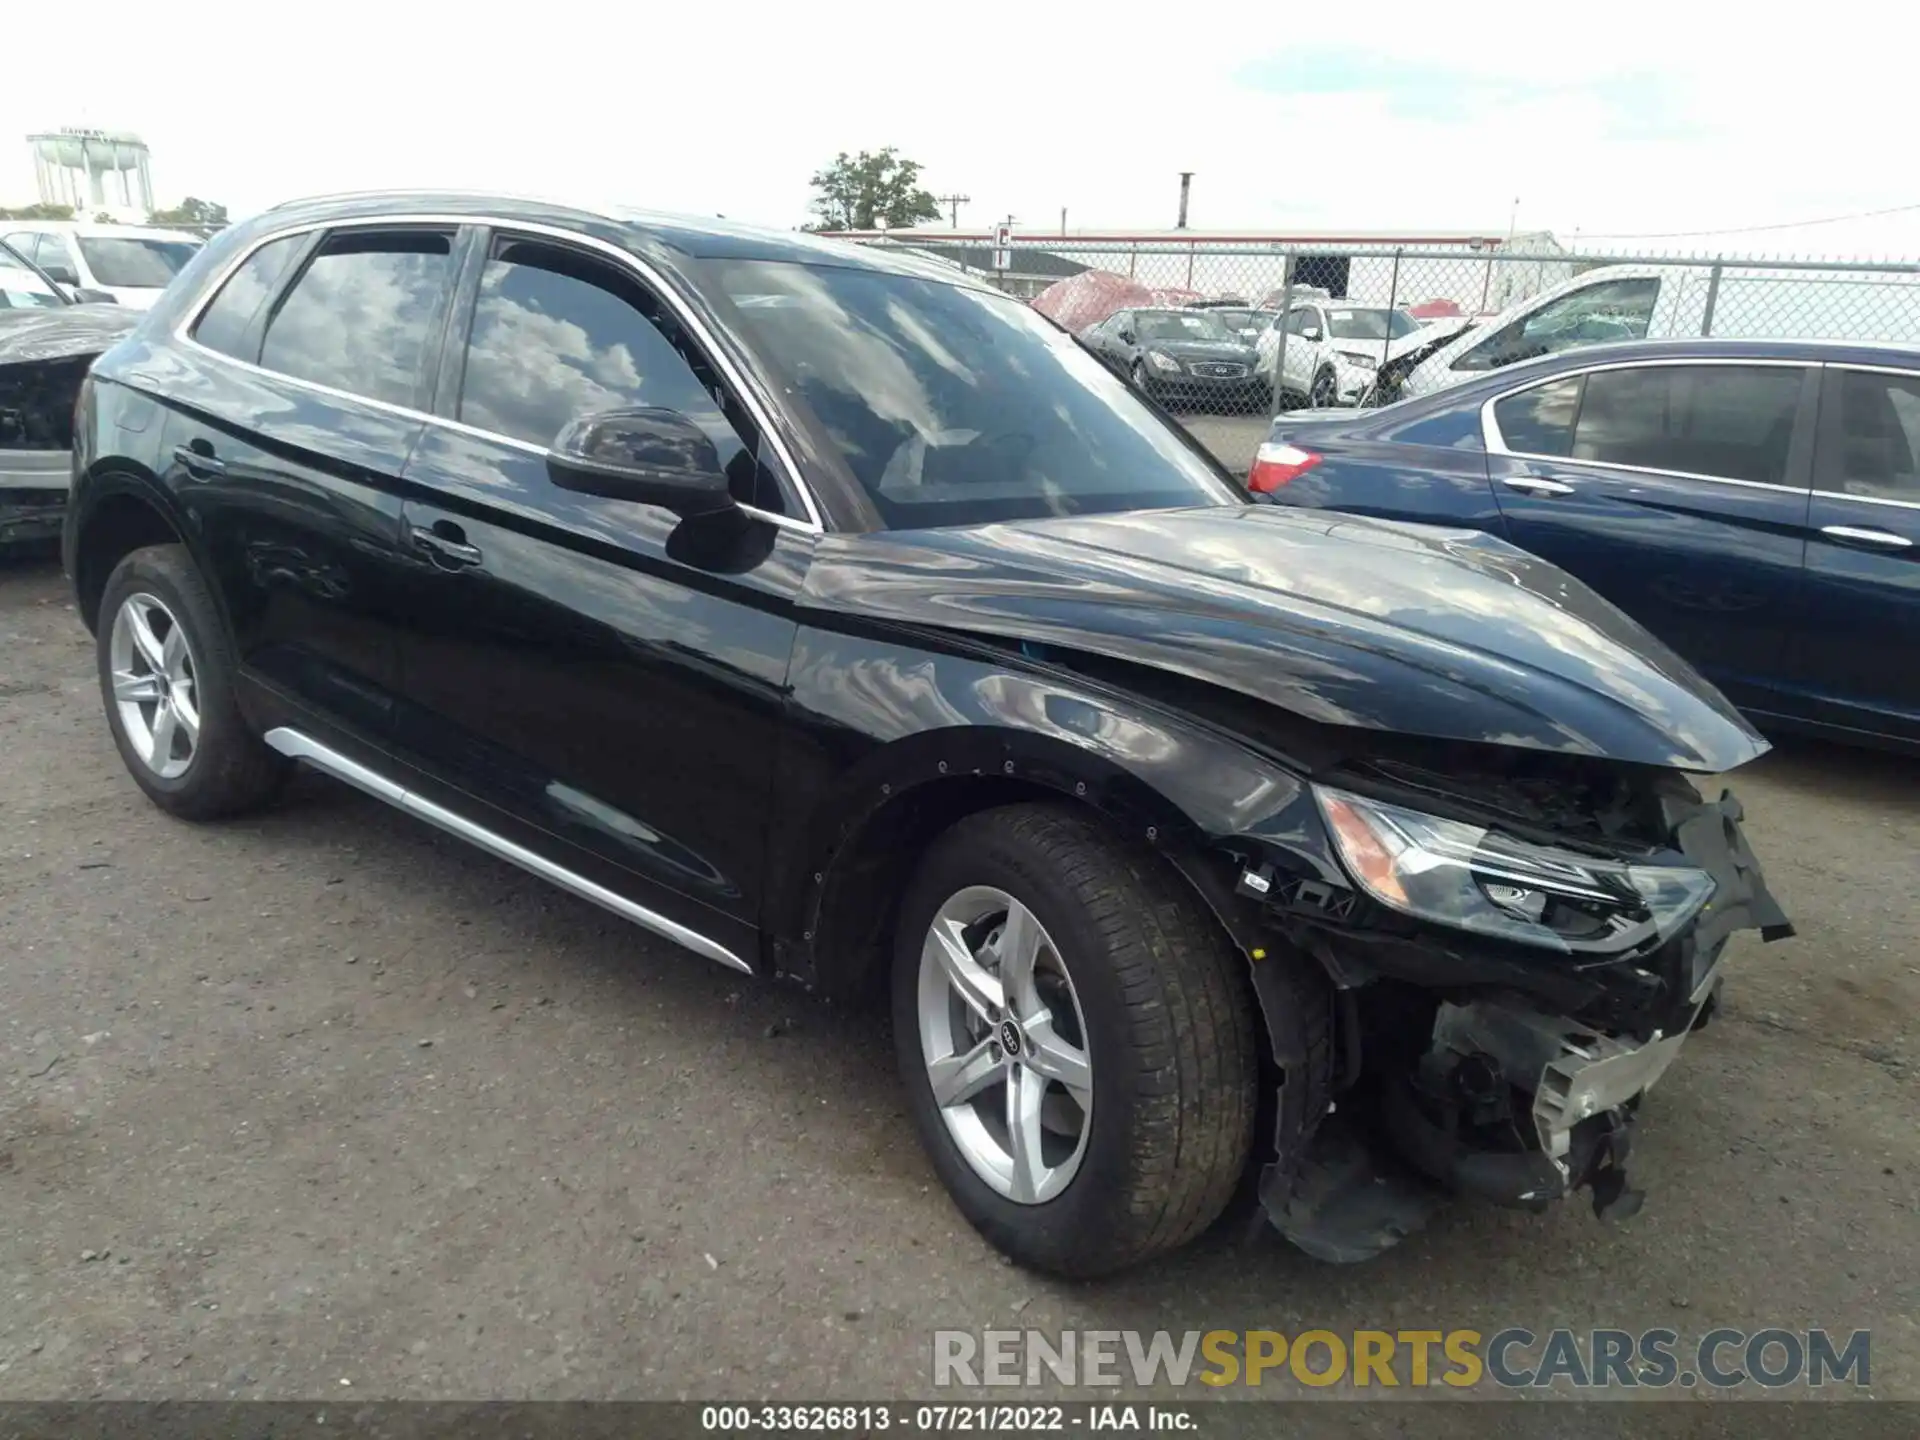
pixel 1005 1045
pixel 153 685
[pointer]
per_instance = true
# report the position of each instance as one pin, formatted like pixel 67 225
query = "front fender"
pixel 881 723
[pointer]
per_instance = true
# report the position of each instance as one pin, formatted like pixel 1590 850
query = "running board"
pixel 299 746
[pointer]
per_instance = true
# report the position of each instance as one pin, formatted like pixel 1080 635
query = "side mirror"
pixel 83 296
pixel 1310 332
pixel 648 455
pixel 1126 337
pixel 63 273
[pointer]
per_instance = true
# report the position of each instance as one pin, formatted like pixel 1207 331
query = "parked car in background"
pixel 1333 349
pixel 47 341
pixel 1246 323
pixel 1662 302
pixel 835 616
pixel 1756 504
pixel 1180 356
pixel 129 264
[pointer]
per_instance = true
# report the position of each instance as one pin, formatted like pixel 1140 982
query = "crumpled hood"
pixel 1339 619
pixel 55 333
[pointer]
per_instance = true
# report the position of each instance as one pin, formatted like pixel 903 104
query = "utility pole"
pixel 1186 184
pixel 953 204
pixel 1063 219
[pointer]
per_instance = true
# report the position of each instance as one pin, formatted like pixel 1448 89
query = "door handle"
pixel 1858 535
pixel 200 464
pixel 1537 485
pixel 446 546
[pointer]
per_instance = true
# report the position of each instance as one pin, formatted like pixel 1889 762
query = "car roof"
pixel 95 230
pixel 700 237
pixel 1868 352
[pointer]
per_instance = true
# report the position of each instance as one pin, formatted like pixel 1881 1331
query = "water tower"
pixel 94 170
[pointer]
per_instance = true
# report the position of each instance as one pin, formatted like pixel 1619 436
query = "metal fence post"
pixel 1713 298
pixel 1280 341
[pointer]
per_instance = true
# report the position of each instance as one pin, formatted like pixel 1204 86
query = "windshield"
pixel 1371 324
pixel 952 406
pixel 1244 319
pixel 136 262
pixel 1179 325
pixel 20 288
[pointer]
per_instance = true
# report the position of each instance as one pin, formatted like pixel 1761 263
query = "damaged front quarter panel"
pixel 1510 1076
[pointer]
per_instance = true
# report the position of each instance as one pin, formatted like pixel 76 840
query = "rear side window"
pixel 1540 421
pixel 362 314
pixel 225 323
pixel 1874 448
pixel 1732 422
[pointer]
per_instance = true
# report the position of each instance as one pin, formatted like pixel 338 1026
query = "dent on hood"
pixel 1339 620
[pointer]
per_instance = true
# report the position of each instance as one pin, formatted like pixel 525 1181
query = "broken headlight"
pixel 1477 879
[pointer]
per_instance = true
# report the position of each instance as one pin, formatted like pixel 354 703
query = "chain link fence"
pixel 1226 333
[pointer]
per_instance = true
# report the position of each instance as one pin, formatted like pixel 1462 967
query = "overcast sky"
pixel 1626 119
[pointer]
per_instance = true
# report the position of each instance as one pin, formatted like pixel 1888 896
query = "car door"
pixel 1678 490
pixel 1862 610
pixel 1306 327
pixel 294 407
pixel 606 680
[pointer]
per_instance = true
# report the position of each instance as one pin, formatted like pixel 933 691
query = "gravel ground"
pixel 324 1097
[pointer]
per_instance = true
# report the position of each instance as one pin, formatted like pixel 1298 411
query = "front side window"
pixel 136 262
pixel 1877 449
pixel 1303 320
pixel 225 324
pixel 1540 421
pixel 362 314
pixel 1593 315
pixel 557 334
pixel 1733 422
pixel 951 405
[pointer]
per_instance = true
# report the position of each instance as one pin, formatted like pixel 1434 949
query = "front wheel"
pixel 1076 1041
pixel 1326 391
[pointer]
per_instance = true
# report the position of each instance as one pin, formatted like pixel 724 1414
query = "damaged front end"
pixel 45 355
pixel 1514 965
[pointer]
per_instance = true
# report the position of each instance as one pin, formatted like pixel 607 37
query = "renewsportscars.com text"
pixel 1511 1358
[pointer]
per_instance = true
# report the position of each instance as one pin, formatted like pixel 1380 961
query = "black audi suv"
pixel 844 620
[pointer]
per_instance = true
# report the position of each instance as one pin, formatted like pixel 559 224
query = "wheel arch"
pixel 124 509
pixel 833 905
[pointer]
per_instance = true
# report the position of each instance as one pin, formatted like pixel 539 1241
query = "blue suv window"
pixel 1732 422
pixel 1540 421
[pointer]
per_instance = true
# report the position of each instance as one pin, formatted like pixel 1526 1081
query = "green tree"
pixel 38 212
pixel 190 213
pixel 869 191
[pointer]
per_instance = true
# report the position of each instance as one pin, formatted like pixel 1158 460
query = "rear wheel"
pixel 1076 1040
pixel 166 678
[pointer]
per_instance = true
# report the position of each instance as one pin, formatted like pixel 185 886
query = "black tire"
pixel 1326 391
pixel 1170 1035
pixel 231 771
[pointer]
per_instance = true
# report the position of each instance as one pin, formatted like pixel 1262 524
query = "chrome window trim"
pixel 1905 372
pixel 298 745
pixel 1496 443
pixel 650 277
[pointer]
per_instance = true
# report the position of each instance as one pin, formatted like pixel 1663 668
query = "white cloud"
pixel 1627 118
